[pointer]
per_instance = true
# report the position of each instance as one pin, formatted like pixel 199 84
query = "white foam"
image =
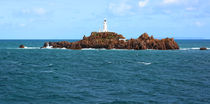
pixel 88 49
pixel 47 71
pixel 121 49
pixel 35 48
pixel 193 48
pixel 27 48
pixel 145 63
pixel 50 65
pixel 63 48
pixel 93 49
pixel 105 49
pixel 53 48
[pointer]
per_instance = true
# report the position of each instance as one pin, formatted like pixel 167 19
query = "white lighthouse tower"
pixel 105 29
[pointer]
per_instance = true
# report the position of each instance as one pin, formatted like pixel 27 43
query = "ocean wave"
pixel 193 48
pixel 31 48
pixel 62 48
pixel 105 49
pixel 121 49
pixel 93 49
pixel 50 65
pixel 109 62
pixel 145 63
pixel 53 48
pixel 34 48
pixel 46 71
pixel 24 48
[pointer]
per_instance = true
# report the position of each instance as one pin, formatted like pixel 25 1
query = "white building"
pixel 105 28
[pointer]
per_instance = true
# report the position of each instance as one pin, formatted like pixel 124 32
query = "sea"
pixel 99 76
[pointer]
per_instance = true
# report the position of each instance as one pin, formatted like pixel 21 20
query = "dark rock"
pixel 21 46
pixel 111 40
pixel 203 48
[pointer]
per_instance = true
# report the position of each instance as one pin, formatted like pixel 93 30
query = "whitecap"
pixel 50 65
pixel 47 71
pixel 193 48
pixel 31 48
pixel 63 48
pixel 51 47
pixel 145 63
pixel 48 48
pixel 109 62
pixel 88 49
pixel 25 48
pixel 105 49
pixel 43 48
pixel 121 49
pixel 93 49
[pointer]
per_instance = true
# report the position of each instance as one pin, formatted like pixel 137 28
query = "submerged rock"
pixel 203 48
pixel 111 40
pixel 21 46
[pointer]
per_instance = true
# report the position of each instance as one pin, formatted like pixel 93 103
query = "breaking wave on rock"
pixel 93 49
pixel 41 48
pixel 193 48
pixel 31 48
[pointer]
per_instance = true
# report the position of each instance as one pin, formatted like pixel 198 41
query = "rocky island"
pixel 112 40
pixel 21 46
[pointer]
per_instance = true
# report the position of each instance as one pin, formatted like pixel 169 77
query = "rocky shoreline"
pixel 111 40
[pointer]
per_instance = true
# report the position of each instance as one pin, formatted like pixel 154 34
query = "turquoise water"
pixel 61 76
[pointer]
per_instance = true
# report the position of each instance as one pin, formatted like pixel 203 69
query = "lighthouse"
pixel 105 29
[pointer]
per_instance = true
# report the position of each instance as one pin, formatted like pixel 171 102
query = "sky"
pixel 72 19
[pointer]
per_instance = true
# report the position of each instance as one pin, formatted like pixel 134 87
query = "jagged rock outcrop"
pixel 203 48
pixel 21 46
pixel 111 40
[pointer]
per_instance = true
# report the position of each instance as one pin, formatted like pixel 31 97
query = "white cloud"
pixel 143 3
pixel 183 2
pixel 120 9
pixel 170 1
